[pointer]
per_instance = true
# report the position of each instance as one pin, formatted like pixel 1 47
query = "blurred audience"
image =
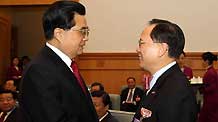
pixel 24 61
pixel 10 112
pixel 96 86
pixel 14 72
pixel 130 97
pixel 209 111
pixel 10 85
pixel 185 69
pixel 101 101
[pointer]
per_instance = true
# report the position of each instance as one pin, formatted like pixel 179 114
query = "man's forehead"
pixel 80 20
pixel 6 94
pixel 149 28
pixel 147 31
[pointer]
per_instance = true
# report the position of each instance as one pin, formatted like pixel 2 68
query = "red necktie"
pixel 147 82
pixel 3 117
pixel 77 74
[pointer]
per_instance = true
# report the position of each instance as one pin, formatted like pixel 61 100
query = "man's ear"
pixel 107 107
pixel 163 49
pixel 58 34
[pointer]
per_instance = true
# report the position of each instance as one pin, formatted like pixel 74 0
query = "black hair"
pixel 61 15
pixel 98 84
pixel 169 33
pixel 130 78
pixel 104 95
pixel 210 57
pixel 25 58
pixel 14 94
pixel 12 59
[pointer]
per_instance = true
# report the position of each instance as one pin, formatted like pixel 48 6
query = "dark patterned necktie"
pixel 77 74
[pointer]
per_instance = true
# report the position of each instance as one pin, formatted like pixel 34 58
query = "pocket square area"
pixel 145 112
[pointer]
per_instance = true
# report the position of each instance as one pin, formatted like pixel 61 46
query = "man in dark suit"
pixel 101 101
pixel 10 112
pixel 170 97
pixel 130 97
pixel 52 89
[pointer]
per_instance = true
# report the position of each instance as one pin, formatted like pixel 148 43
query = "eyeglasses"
pixel 6 99
pixel 84 31
pixel 141 42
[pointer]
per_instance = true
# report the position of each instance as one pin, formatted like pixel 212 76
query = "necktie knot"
pixel 74 66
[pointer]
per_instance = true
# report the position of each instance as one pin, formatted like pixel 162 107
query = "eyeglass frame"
pixel 140 42
pixel 84 31
pixel 8 99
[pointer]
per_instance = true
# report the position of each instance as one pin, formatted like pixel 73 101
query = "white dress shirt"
pixel 63 56
pixel 159 73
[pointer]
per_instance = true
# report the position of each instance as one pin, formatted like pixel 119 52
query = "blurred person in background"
pixel 14 71
pixel 10 85
pixel 185 69
pixel 209 111
pixel 96 86
pixel 10 112
pixel 24 61
pixel 101 101
pixel 130 97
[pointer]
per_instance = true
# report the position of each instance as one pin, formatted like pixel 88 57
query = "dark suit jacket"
pixel 109 118
pixel 51 93
pixel 171 99
pixel 16 116
pixel 130 107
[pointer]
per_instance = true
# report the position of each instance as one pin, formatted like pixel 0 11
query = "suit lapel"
pixel 63 68
pixel 11 117
pixel 154 92
pixel 67 73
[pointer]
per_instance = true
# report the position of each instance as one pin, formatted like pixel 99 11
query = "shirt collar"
pixel 103 117
pixel 8 113
pixel 159 73
pixel 63 56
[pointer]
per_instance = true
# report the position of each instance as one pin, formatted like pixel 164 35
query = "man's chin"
pixel 141 65
pixel 80 52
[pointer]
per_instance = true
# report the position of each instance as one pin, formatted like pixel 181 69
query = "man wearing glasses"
pixel 52 89
pixel 169 97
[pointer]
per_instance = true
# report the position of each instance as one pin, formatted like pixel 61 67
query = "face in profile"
pixel 147 50
pixel 75 38
pixel 7 102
